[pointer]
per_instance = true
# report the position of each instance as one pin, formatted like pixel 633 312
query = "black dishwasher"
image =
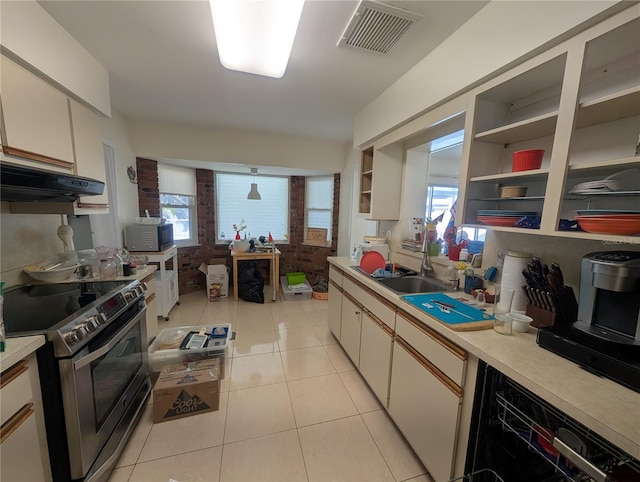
pixel 524 439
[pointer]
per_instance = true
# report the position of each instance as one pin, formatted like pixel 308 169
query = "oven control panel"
pixel 113 305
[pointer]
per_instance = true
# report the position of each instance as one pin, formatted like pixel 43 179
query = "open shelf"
pixel 523 198
pixel 533 175
pixel 603 167
pixel 534 128
pixel 609 108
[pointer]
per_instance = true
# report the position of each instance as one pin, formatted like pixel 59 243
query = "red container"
pixel 527 160
pixel 454 253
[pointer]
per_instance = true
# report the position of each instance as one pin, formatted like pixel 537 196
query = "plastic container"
pixel 464 255
pixel 527 160
pixel 520 322
pixel 299 294
pixel 295 278
pixel 165 348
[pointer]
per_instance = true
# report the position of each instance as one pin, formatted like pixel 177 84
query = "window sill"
pixel 441 259
pixel 186 244
pixel 317 245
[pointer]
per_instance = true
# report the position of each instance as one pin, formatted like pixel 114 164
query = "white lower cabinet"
pixel 350 328
pixel 166 292
pixel 24 455
pixel 334 311
pixel 425 408
pixel 376 345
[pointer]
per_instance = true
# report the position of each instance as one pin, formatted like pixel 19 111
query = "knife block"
pixel 566 311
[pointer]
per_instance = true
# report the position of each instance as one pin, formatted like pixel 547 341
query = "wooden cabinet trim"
pixel 335 285
pixel 369 291
pixel 92 205
pixel 13 372
pixel 454 349
pixel 14 422
pixel 14 151
pixel 149 278
pixel 150 298
pixel 378 322
pixel 430 367
pixel 352 299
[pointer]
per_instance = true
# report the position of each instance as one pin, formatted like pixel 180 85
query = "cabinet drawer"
pixel 449 358
pixel 19 438
pixel 379 307
pixel 16 389
pixel 335 275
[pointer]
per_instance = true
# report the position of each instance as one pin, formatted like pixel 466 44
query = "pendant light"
pixel 254 194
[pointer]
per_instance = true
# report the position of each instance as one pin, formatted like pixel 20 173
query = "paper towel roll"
pixel 512 278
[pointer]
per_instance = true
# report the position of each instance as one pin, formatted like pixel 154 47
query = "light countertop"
pixel 606 407
pixel 19 348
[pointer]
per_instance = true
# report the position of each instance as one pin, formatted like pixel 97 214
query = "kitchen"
pixel 161 141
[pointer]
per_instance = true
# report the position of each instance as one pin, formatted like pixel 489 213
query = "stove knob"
pixel 129 296
pixel 101 318
pixel 92 324
pixel 74 336
pixel 144 286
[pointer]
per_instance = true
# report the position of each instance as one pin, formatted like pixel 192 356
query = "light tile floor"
pixel 292 408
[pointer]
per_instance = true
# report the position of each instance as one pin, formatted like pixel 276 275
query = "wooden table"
pixel 274 266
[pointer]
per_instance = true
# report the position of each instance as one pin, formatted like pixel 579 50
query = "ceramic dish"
pixel 607 212
pixel 625 227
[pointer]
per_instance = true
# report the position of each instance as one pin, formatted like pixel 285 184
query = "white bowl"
pixel 54 269
pixel 520 322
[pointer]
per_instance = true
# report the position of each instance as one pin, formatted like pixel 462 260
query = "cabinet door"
pixel 17 448
pixel 334 312
pixel 350 329
pixel 375 355
pixel 89 156
pixel 36 119
pixel 425 410
pixel 151 317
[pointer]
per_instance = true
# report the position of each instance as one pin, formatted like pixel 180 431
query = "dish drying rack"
pixel 597 459
pixel 399 272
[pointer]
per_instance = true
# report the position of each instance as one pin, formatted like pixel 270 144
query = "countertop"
pixel 604 406
pixel 20 347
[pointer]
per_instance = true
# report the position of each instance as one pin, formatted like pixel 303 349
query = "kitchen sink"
pixel 414 284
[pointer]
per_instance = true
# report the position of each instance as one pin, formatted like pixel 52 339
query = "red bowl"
pixel 527 160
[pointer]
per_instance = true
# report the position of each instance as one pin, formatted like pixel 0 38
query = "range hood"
pixel 19 183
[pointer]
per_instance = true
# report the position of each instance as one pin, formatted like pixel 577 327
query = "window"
pixel 177 187
pixel 319 205
pixel 270 214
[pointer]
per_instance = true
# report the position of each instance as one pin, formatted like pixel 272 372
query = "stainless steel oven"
pixel 94 373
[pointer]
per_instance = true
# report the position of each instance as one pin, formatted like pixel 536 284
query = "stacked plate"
pixel 609 221
pixel 497 217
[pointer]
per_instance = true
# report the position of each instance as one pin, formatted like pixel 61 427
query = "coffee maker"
pixel 609 304
pixel 606 337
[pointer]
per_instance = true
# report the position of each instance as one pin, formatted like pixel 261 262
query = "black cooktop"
pixel 618 363
pixel 33 309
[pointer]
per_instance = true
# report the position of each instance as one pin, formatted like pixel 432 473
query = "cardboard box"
pixel 186 389
pixel 216 273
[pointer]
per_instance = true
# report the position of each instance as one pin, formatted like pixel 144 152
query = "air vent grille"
pixel 377 27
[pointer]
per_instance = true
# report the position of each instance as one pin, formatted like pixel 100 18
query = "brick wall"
pixel 296 256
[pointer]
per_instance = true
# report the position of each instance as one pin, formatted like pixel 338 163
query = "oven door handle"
pixel 103 350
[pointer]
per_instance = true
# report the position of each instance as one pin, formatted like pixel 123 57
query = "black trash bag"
pixel 250 283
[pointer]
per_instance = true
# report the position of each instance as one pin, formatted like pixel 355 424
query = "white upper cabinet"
pixel 36 120
pixel 88 152
pixel 580 103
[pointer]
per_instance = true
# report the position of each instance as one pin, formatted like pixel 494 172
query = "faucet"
pixel 426 268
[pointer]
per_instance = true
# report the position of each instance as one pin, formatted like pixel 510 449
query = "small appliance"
pixel 148 237
pixel 605 338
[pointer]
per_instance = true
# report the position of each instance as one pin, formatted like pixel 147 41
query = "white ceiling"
pixel 163 64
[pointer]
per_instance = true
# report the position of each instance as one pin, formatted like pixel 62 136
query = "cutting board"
pixel 461 317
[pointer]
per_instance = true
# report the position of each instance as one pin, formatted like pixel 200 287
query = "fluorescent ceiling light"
pixel 256 36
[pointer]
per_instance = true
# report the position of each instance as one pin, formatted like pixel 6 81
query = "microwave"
pixel 148 237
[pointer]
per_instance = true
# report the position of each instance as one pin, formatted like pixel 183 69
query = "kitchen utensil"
pixel 372 261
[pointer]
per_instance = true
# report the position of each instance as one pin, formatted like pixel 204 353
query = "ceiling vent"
pixel 377 27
